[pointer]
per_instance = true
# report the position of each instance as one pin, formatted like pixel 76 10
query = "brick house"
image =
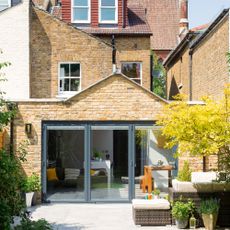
pixel 193 66
pixel 82 88
pixel 198 67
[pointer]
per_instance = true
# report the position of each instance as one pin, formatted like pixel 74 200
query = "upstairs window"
pixel 4 4
pixel 69 78
pixel 132 70
pixel 108 11
pixel 80 11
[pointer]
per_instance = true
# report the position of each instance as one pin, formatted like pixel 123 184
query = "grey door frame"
pixel 71 125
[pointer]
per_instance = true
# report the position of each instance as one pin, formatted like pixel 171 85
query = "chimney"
pixel 183 18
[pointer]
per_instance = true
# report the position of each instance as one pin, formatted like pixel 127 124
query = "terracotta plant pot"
pixel 182 223
pixel 210 221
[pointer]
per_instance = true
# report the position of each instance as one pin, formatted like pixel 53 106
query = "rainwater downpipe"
pixel 123 13
pixel 114 54
pixel 190 74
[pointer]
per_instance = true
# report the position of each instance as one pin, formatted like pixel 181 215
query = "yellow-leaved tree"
pixel 200 130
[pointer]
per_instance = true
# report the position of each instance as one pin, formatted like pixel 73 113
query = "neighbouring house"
pixel 82 88
pixel 198 67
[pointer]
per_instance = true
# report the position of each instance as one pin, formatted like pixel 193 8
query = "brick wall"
pixel 53 41
pixel 177 74
pixel 210 68
pixel 196 163
pixel 115 99
pixel 131 49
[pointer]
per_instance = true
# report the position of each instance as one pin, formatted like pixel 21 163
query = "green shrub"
pixel 181 210
pixel 32 183
pixel 5 215
pixel 10 186
pixel 209 206
pixel 28 224
pixel 185 173
pixel 156 192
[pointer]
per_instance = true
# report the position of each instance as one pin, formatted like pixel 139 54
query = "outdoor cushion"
pixel 203 177
pixel 159 204
pixel 183 186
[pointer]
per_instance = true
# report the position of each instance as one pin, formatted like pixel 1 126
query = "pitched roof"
pixel 163 19
pixel 210 28
pixel 136 24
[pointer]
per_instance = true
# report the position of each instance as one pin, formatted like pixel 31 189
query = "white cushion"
pixel 183 186
pixel 71 173
pixel 161 204
pixel 203 177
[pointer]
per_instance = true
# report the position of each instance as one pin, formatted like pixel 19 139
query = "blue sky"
pixel 204 11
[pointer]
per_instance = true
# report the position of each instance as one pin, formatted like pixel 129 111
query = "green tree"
pixel 199 130
pixel 159 77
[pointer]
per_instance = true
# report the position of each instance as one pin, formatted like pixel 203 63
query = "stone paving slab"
pixel 90 216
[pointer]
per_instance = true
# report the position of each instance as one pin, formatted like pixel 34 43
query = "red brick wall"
pixel 94 13
pixel 120 16
pixel 66 10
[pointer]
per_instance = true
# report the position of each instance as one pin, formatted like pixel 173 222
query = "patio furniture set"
pixel 157 212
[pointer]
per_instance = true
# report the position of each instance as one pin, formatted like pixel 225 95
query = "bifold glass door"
pixel 96 162
pixel 109 163
pixel 65 169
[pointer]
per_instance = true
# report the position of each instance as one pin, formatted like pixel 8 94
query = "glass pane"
pixel 64 72
pixel 75 70
pixel 75 85
pixel 80 14
pixel 80 2
pixel 109 164
pixel 131 70
pixel 66 85
pixel 150 152
pixel 107 2
pixel 107 14
pixel 65 165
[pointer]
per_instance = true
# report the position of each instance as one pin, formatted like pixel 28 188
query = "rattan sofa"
pixel 203 190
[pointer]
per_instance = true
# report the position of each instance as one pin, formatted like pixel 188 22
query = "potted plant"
pixel 181 211
pixel 156 193
pixel 31 185
pixel 209 209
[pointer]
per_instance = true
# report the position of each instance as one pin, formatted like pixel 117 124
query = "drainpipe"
pixel 114 54
pixel 124 13
pixel 190 75
pixel 151 72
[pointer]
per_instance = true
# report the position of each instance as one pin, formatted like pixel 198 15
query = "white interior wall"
pixel 14 35
pixel 103 141
pixel 155 154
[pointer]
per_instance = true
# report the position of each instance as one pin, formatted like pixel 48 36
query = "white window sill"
pixel 66 95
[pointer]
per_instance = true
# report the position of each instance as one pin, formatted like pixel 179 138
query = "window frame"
pixel 133 62
pixel 79 7
pixel 108 7
pixel 69 77
pixel 7 6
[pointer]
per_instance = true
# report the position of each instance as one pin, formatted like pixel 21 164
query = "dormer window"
pixel 4 4
pixel 80 11
pixel 108 11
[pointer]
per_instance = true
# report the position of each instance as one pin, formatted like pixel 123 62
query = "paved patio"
pixel 90 216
